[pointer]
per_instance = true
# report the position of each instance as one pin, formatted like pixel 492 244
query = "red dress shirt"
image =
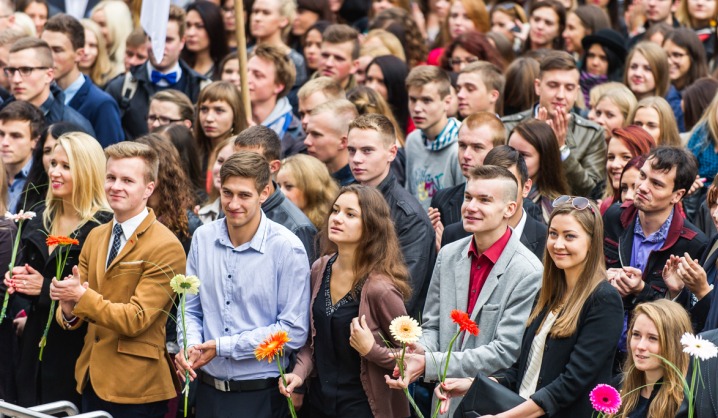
pixel 481 265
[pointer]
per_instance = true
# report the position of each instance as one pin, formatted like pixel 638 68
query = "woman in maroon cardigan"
pixel 358 287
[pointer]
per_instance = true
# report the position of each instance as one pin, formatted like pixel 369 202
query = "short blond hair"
pixel 327 85
pixel 284 70
pixel 378 123
pixel 130 149
pixel 342 112
pixel 426 74
pixel 388 40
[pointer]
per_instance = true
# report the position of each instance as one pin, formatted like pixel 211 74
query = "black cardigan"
pixel 573 366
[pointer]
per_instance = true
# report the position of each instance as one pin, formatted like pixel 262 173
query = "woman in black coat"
pixel 573 330
pixel 73 209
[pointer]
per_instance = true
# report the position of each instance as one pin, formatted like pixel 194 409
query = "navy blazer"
pixel 533 235
pixel 101 110
pixel 573 366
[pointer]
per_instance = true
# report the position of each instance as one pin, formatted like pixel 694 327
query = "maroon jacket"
pixel 380 302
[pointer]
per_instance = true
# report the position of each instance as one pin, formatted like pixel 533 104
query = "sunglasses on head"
pixel 577 202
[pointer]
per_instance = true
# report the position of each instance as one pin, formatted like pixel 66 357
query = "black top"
pixel 337 389
pixel 53 379
pixel 641 409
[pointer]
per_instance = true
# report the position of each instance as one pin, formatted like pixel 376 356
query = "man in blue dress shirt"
pixel 255 282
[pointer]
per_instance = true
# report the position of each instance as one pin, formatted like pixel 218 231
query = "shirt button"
pixel 97 339
pixel 229 276
pixel 227 302
pixel 226 330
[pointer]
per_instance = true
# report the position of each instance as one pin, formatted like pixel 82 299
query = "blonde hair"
pixel 684 17
pixel 597 91
pixel 622 97
pixel 657 60
pixel 388 40
pixel 368 101
pixel 102 70
pixel 25 24
pixel 87 167
pixel 339 112
pixel 313 179
pixel 326 85
pixel 119 27
pixel 669 129
pixel 131 149
pixel 671 321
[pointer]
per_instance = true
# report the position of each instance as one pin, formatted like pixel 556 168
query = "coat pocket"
pixel 138 349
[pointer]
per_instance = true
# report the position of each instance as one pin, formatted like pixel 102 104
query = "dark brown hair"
pixel 25 112
pixel 519 93
pixel 476 44
pixel 68 26
pixel 550 180
pixel 261 137
pixel 378 251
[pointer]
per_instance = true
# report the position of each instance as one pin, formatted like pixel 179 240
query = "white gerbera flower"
pixel 696 346
pixel 21 216
pixel 182 284
pixel 405 329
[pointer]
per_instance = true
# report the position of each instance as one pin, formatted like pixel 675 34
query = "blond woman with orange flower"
pixel 72 208
pixel 358 287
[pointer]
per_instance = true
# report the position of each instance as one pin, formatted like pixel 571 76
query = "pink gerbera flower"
pixel 605 399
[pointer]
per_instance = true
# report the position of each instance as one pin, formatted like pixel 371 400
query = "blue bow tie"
pixel 157 76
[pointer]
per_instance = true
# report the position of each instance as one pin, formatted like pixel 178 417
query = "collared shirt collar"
pixel 258 241
pixel 658 236
pixel 446 137
pixel 164 83
pixel 25 170
pixel 519 230
pixel 73 88
pixel 130 226
pixel 494 251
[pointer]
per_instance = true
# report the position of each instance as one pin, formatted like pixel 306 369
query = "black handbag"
pixel 486 397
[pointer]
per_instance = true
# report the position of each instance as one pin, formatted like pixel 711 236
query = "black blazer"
pixel 704 313
pixel 533 236
pixel 706 396
pixel 573 366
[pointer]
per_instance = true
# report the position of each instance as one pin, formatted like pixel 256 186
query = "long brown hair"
pixel 378 250
pixel 671 320
pixel 554 290
pixel 550 180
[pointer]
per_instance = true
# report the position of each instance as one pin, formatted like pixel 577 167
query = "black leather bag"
pixel 486 397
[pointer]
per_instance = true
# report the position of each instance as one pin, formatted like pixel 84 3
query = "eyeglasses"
pixel 577 202
pixel 24 71
pixel 163 120
pixel 459 61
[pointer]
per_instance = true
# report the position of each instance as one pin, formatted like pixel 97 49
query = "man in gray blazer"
pixel 491 275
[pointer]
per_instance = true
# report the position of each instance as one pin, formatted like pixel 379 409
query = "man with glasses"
pixel 31 73
pixel 167 107
pixel 641 235
pixel 66 38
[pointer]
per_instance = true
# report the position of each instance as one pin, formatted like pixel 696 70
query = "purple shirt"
pixel 643 245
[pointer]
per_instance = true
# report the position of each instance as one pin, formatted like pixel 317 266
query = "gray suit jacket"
pixel 501 311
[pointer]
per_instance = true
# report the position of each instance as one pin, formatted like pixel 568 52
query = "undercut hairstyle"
pixel 507 157
pixel 341 33
pixel 494 172
pixel 131 149
pixel 179 99
pixel 23 111
pixel 284 71
pixel 41 48
pixel 10 36
pixel 378 123
pixel 68 26
pixel 247 165
pixel 666 158
pixel 557 60
pixel 137 38
pixel 326 85
pixel 479 119
pixel 177 14
pixel 341 113
pixel 261 137
pixel 425 74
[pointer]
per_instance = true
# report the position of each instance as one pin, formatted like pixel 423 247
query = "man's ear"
pixel 264 195
pixel 494 96
pixel 678 195
pixel 537 87
pixel 278 88
pixel 343 142
pixel 274 166
pixel 149 189
pixel 355 67
pixel 527 188
pixel 79 53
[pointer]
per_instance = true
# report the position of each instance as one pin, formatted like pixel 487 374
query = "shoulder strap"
pixel 129 88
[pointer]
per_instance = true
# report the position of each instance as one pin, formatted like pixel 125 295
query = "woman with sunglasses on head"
pixel 536 141
pixel 573 329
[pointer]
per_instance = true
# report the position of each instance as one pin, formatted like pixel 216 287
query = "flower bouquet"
pixel 273 347
pixel 21 217
pixel 61 242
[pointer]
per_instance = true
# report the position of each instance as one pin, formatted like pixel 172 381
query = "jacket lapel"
pixel 462 277
pixel 130 244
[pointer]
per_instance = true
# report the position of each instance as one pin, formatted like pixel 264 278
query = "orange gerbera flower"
pixel 272 346
pixel 465 323
pixel 61 240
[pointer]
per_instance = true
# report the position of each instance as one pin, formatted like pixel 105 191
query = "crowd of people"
pixel 548 167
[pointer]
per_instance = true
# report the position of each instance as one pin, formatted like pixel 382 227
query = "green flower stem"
pixel 442 376
pixel 183 299
pixel 284 380
pixel 60 262
pixel 15 246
